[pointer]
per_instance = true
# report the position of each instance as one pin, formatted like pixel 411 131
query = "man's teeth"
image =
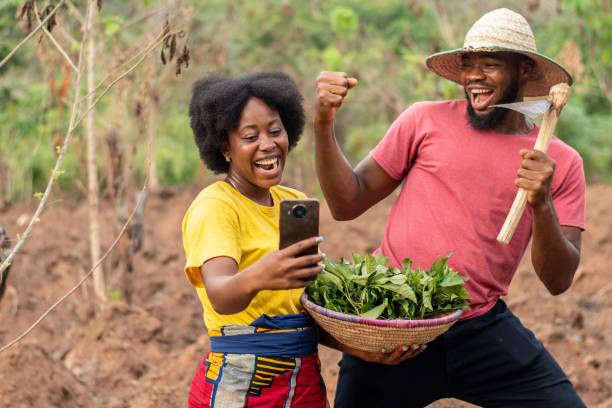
pixel 481 91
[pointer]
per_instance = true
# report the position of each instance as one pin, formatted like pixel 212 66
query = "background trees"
pixel 383 43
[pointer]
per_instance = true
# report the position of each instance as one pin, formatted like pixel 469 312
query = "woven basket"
pixel 373 334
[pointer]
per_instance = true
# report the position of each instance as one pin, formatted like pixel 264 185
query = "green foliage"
pixel 26 150
pixel 177 155
pixel 332 59
pixel 590 135
pixel 344 21
pixel 111 24
pixel 383 44
pixel 588 24
pixel 9 29
pixel 115 295
pixel 358 141
pixel 369 288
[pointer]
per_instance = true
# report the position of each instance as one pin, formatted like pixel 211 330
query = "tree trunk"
pixel 92 171
pixel 5 249
pixel 151 119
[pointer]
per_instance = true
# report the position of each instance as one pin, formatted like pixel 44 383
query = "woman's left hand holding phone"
pixel 231 292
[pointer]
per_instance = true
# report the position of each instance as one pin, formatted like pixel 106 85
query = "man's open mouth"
pixel 481 98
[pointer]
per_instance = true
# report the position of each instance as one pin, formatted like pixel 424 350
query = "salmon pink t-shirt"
pixel 458 187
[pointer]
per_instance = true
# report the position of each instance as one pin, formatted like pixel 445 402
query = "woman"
pixel 263 347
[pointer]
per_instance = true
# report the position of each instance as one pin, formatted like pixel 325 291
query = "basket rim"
pixel 398 323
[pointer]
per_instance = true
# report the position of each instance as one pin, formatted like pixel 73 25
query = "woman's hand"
pixel 231 292
pixel 284 269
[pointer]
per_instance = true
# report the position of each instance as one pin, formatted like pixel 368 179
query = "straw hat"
pixel 502 30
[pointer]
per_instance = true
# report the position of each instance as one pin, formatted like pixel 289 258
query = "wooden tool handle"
pixel 515 214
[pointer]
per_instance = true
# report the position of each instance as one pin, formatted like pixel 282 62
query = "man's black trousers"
pixel 491 361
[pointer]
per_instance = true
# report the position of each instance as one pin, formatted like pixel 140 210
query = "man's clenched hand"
pixel 332 88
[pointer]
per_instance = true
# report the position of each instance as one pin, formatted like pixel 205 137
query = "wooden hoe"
pixel 550 107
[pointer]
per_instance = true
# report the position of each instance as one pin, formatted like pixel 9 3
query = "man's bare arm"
pixel 555 250
pixel 349 192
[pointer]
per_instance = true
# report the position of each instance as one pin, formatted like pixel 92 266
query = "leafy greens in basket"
pixel 369 288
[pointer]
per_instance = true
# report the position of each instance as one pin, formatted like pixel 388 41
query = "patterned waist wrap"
pixel 270 363
pixel 293 335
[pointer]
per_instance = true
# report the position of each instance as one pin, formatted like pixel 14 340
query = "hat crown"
pixel 501 28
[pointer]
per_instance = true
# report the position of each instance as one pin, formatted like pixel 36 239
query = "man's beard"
pixel 493 119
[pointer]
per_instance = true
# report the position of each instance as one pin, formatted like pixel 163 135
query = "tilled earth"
pixel 144 354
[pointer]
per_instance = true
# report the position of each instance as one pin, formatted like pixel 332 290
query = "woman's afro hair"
pixel 217 103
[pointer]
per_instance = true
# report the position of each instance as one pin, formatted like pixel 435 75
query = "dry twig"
pixel 83 279
pixel 55 173
pixel 74 122
pixel 59 47
pixel 142 53
pixel 133 67
pixel 75 12
pixel 34 31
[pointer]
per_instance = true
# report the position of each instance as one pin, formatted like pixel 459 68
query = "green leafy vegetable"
pixel 368 287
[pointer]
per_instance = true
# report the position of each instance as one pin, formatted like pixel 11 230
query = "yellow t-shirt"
pixel 223 222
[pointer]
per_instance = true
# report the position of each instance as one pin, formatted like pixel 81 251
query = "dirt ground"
pixel 143 355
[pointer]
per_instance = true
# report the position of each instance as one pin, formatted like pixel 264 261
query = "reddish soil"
pixel 144 354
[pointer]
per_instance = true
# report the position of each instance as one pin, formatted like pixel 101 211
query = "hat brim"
pixel 547 72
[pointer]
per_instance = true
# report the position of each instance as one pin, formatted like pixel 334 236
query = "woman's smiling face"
pixel 257 150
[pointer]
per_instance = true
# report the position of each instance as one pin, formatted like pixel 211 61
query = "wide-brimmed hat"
pixel 502 30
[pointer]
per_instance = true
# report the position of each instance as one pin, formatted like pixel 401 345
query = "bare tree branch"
pixel 132 68
pixel 85 277
pixel 55 173
pixel 144 51
pixel 34 31
pixel 74 122
pixel 143 16
pixel 61 30
pixel 75 12
pixel 59 47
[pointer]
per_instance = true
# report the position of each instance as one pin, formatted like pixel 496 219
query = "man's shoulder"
pixel 442 105
pixel 558 148
pixel 428 108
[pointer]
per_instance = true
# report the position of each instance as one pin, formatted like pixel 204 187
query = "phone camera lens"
pixel 298 211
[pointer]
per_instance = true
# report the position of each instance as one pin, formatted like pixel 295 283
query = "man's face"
pixel 489 79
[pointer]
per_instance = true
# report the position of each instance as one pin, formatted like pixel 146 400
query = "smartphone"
pixel 299 219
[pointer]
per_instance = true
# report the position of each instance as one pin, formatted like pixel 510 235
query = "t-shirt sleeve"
pixel 569 198
pixel 210 229
pixel 396 152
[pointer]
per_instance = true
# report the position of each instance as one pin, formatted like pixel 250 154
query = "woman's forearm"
pixel 230 294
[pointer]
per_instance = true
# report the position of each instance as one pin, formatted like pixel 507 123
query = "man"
pixel 461 162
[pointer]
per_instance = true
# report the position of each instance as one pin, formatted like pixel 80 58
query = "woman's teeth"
pixel 267 161
pixel 267 164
